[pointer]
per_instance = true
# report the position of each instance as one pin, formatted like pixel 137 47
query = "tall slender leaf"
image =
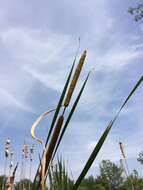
pixel 92 156
pixel 102 139
pixel 131 93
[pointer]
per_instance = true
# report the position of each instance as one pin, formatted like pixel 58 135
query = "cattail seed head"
pixel 74 79
pixel 31 152
pixel 7 148
pixel 23 153
pixel 54 140
pixel 11 160
pixel 122 149
pixel 26 149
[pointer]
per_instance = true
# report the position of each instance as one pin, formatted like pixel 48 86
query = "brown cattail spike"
pixel 122 149
pixel 54 140
pixel 11 160
pixel 7 148
pixel 26 149
pixel 31 152
pixel 74 79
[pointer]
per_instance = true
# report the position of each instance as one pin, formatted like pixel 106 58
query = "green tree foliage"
pixel 137 11
pixel 99 187
pixel 25 183
pixel 110 175
pixel 88 183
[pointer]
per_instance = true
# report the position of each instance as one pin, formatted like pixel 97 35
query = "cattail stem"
pixel 130 177
pixel 30 173
pixel 11 163
pixel 124 156
pixel 43 169
pixel 31 159
pixel 74 79
pixel 123 168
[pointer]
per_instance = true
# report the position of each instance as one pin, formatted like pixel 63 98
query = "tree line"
pixel 111 177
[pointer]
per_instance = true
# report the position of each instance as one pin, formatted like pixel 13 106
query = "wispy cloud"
pixel 8 100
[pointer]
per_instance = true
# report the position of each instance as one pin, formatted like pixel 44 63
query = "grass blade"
pixel 131 93
pixel 102 139
pixel 92 156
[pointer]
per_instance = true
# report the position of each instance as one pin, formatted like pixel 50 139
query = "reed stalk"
pixel 128 171
pixel 123 168
pixel 31 159
pixel 11 163
pixel 22 170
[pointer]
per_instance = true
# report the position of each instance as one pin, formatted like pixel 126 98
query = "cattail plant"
pixel 7 147
pixel 128 172
pixel 75 78
pixel 56 137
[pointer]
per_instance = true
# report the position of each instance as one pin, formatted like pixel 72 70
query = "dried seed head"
pixel 74 79
pixel 7 146
pixel 54 139
pixel 26 149
pixel 23 153
pixel 31 152
pixel 122 149
pixel 11 160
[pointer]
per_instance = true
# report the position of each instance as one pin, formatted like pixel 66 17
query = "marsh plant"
pixel 55 175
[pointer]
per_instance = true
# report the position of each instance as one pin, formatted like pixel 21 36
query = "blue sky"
pixel 38 41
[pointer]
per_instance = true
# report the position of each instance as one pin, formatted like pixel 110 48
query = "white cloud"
pixel 8 100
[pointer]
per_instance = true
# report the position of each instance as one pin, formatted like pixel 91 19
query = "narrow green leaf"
pixel 102 139
pixel 131 93
pixel 92 156
pixel 70 114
